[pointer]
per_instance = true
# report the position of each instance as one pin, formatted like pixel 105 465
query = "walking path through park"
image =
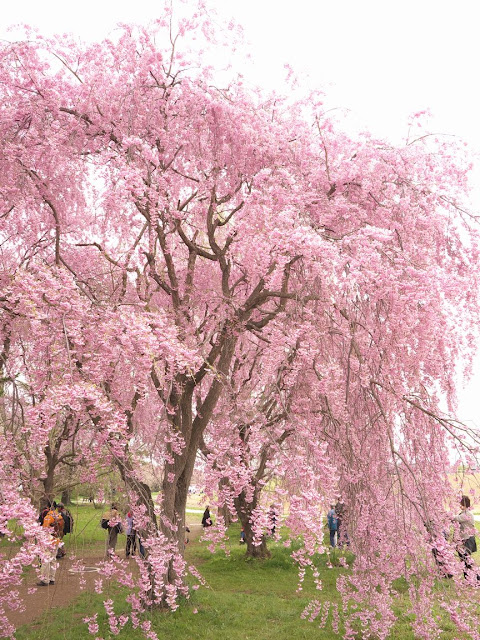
pixel 68 584
pixel 67 587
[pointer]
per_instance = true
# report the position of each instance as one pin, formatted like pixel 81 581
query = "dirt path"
pixel 67 587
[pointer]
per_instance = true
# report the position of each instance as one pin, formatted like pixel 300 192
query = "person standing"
pixel 111 521
pixel 466 523
pixel 53 524
pixel 67 519
pixel 332 522
pixel 131 546
pixel 207 519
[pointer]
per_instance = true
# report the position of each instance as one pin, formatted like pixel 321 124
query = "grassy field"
pixel 244 600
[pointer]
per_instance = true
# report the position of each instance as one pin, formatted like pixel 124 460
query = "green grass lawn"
pixel 244 599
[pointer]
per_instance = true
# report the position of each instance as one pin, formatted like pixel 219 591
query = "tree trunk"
pixel 178 468
pixel 178 473
pixel 49 480
pixel 244 511
pixel 66 496
pixel 224 512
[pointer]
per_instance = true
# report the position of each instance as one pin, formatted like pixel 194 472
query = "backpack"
pixel 332 521
pixel 54 520
pixel 470 544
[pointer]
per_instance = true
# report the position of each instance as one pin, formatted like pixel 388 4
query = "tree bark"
pixel 49 480
pixel 244 510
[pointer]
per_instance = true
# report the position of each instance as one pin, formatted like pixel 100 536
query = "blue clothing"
pixel 332 520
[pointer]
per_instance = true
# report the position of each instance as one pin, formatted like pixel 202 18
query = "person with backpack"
pixel 53 524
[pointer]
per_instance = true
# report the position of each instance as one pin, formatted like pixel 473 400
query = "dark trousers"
pixel 332 537
pixel 466 557
pixel 131 544
pixel 111 539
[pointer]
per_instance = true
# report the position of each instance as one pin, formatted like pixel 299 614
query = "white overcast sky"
pixel 381 60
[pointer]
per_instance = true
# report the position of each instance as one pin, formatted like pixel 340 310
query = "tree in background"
pixel 155 224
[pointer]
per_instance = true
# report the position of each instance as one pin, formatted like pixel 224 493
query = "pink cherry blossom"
pixel 190 268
